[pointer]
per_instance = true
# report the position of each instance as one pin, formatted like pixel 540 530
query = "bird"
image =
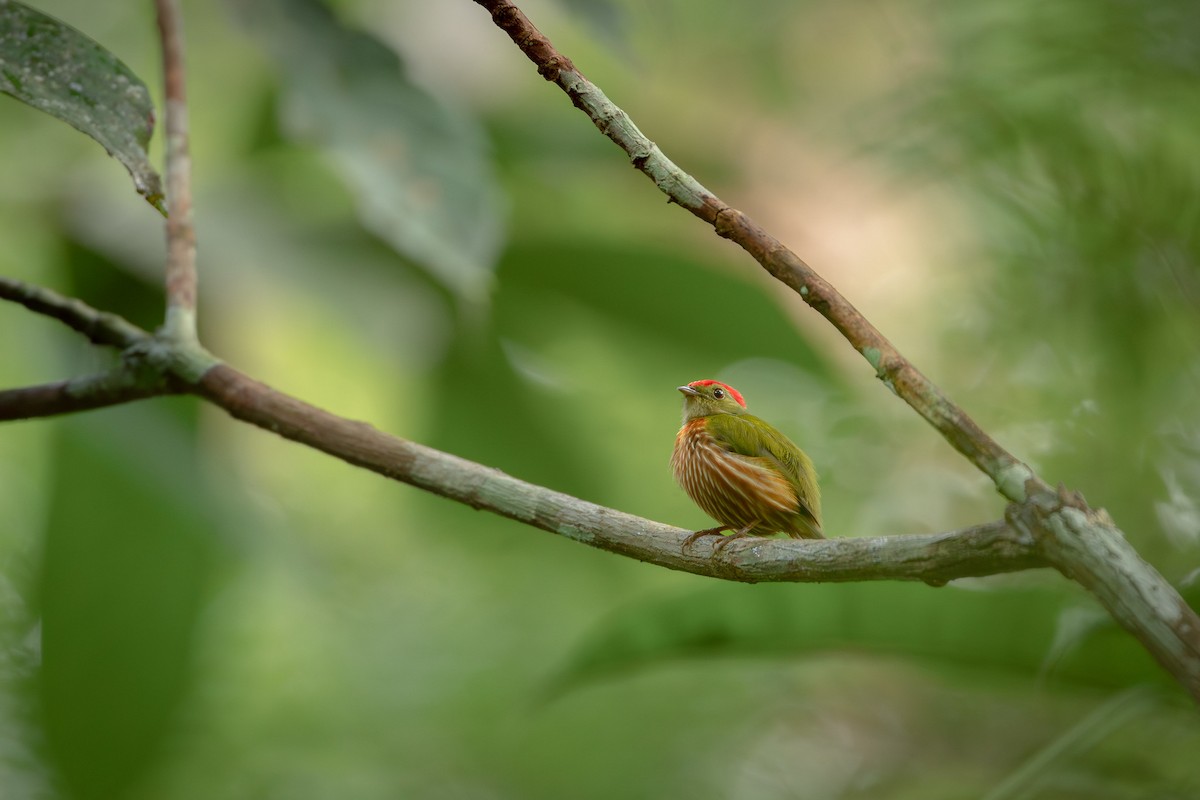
pixel 740 470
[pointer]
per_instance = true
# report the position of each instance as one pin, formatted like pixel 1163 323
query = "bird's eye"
pixel 718 393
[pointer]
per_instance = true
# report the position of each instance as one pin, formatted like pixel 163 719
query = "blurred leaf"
pixel 605 18
pixel 1071 129
pixel 128 552
pixel 420 171
pixel 108 283
pixel 512 434
pixel 1113 714
pixel 55 68
pixel 993 631
pixel 706 315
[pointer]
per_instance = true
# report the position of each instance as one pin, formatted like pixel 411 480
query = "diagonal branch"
pixel 181 234
pixel 1005 470
pixel 99 327
pixel 172 368
pixel 1080 542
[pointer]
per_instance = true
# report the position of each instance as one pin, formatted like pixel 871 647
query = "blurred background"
pixel 400 221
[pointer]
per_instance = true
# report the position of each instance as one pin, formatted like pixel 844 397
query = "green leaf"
pixel 419 171
pixel 664 298
pixel 127 557
pixel 55 68
pixel 1001 631
pixel 525 443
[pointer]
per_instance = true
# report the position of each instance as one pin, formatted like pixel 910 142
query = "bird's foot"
pixel 717 531
pixel 725 540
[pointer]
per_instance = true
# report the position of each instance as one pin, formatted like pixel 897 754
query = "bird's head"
pixel 706 398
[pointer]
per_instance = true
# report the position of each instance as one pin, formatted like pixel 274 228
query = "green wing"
pixel 747 435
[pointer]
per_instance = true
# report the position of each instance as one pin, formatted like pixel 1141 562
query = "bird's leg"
pixel 689 541
pixel 738 534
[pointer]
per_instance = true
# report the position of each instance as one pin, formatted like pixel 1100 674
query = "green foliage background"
pixel 440 244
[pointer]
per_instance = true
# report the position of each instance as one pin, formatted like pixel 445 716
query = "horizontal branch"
pixel 84 393
pixel 1132 591
pixel 99 327
pixel 935 558
pixel 159 367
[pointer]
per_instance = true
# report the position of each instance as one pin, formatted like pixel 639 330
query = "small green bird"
pixel 740 470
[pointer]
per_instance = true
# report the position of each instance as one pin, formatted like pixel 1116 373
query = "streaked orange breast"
pixel 733 489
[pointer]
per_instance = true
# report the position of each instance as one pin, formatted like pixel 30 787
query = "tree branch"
pixel 1086 546
pixel 149 367
pixel 1155 614
pixel 1008 473
pixel 1083 545
pixel 181 235
pixel 934 558
pixel 81 394
pixel 1047 529
pixel 99 327
pixel 175 367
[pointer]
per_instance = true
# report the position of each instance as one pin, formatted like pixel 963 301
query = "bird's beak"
pixel 687 390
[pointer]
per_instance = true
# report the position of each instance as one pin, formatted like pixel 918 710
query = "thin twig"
pixel 100 327
pixel 84 393
pixel 181 235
